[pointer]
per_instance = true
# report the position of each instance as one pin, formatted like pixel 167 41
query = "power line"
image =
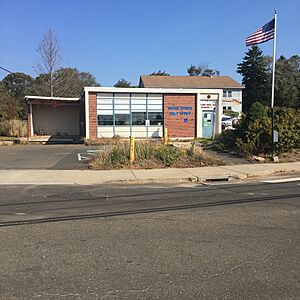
pixel 6 70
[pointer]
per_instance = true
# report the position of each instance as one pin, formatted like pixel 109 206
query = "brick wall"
pixel 93 114
pixel 180 115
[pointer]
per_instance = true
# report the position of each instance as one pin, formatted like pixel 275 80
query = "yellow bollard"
pixel 131 149
pixel 166 136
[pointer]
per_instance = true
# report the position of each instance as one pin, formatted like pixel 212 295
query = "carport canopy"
pixel 54 116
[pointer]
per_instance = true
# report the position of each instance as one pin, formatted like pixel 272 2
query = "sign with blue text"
pixel 184 111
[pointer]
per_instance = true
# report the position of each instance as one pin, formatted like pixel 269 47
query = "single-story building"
pixel 187 106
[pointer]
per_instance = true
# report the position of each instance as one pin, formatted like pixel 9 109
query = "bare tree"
pixel 50 53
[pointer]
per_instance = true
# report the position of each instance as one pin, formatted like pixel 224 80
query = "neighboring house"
pixel 232 90
pixel 187 106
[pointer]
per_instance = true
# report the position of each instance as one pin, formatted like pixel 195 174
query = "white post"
pixel 31 119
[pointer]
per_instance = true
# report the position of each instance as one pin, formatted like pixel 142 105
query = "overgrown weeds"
pixel 13 128
pixel 149 154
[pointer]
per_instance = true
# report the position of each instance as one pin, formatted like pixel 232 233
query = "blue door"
pixel 207 123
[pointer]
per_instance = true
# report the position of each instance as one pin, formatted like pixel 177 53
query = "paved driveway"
pixel 56 157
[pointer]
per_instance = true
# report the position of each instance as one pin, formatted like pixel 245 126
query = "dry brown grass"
pixel 13 128
pixel 103 141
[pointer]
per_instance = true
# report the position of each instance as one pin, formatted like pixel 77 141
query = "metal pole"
pixel 131 155
pixel 273 79
pixel 166 136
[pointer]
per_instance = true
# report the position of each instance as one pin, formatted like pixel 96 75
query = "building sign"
pixel 174 111
pixel 208 104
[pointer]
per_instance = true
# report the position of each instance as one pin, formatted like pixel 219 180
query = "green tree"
pixel 18 85
pixel 287 81
pixel 69 82
pixel 159 73
pixel 256 78
pixel 8 105
pixel 202 70
pixel 122 83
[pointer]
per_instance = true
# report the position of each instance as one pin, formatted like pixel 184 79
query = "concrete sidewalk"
pixel 87 177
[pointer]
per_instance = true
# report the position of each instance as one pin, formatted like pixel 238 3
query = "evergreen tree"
pixel 256 78
pixel 287 81
pixel 159 73
pixel 18 85
pixel 122 83
pixel 202 70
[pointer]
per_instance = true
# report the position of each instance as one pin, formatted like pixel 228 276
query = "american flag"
pixel 262 34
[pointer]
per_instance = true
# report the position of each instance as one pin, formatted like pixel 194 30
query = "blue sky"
pixel 117 38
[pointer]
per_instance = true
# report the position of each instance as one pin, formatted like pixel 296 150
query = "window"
pixel 156 118
pixel 105 120
pixel 122 109
pixel 227 94
pixel 138 109
pixel 129 109
pixel 105 109
pixel 139 118
pixel 155 115
pixel 122 119
pixel 224 107
pixel 229 107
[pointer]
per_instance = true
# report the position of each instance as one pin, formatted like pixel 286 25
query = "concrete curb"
pixel 175 175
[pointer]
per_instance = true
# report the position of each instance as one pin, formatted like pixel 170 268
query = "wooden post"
pixel 166 136
pixel 131 149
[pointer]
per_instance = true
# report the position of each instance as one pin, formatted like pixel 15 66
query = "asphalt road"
pixel 231 241
pixel 56 157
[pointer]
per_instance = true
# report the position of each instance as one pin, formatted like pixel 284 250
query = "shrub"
pixel 169 154
pixel 287 123
pixel 253 134
pixel 257 112
pixel 13 128
pixel 116 158
pixel 119 155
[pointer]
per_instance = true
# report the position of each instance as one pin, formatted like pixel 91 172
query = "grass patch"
pixel 7 138
pixel 151 154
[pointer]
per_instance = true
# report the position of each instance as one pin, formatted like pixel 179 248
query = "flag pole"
pixel 273 79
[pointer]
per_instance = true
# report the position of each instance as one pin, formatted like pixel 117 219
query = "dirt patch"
pixel 290 157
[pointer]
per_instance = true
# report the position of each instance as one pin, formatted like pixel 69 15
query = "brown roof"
pixel 189 82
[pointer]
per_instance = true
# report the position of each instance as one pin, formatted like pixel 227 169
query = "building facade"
pixel 189 107
pixel 145 112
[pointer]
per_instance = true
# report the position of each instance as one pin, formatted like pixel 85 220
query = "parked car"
pixel 226 121
pixel 229 122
